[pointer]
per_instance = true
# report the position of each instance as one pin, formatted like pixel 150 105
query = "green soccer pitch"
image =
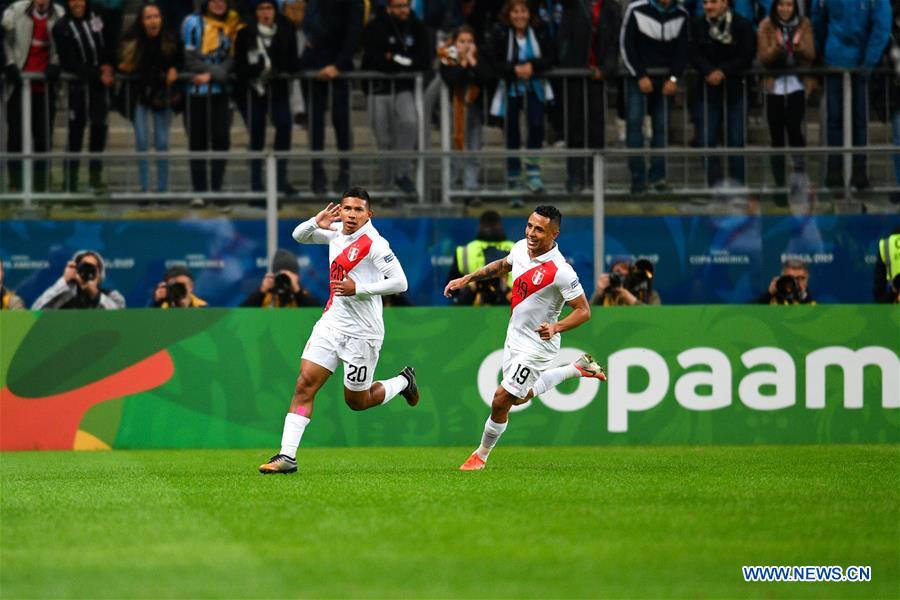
pixel 404 522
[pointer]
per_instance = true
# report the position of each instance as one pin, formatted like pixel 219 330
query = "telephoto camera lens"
pixel 282 285
pixel 86 271
pixel 787 290
pixel 177 291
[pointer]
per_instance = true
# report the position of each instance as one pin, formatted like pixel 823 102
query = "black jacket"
pixel 662 41
pixel 459 78
pixel 384 35
pixel 148 62
pixel 733 59
pixel 282 52
pixel 82 46
pixel 498 50
pixel 576 35
pixel 333 31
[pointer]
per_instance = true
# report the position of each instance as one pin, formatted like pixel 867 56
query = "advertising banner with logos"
pixel 223 378
pixel 698 260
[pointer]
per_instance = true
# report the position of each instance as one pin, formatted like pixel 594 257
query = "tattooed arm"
pixel 498 268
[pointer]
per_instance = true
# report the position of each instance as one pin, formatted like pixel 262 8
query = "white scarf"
pixel 720 29
pixel 498 102
pixel 263 41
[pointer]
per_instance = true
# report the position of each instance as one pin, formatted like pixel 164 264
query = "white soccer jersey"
pixel 366 258
pixel 541 286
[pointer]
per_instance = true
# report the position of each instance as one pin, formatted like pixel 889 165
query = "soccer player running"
pixel 351 330
pixel 543 281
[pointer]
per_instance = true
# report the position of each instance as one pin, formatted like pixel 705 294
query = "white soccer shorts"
pixel 518 374
pixel 326 347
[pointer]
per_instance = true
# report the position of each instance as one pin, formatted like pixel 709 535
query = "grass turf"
pixel 388 522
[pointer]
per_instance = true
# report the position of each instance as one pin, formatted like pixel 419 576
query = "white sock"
pixel 492 433
pixel 294 425
pixel 551 378
pixel 393 386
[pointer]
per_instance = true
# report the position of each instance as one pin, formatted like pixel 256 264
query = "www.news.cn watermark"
pixel 807 573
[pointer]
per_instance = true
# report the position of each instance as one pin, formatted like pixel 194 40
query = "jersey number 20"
pixel 356 373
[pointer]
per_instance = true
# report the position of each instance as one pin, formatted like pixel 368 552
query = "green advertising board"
pixel 223 378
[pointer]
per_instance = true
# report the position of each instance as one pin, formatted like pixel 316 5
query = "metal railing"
pixel 600 191
pixel 312 112
pixel 448 192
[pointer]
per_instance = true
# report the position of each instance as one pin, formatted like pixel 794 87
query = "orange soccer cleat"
pixel 473 463
pixel 588 367
pixel 279 463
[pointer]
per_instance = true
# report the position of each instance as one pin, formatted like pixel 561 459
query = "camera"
pixel 640 278
pixel 176 292
pixel 615 281
pixel 86 271
pixel 282 286
pixel 452 54
pixel 787 290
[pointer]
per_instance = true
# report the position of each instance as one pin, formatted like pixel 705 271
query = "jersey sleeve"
pixel 309 232
pixel 388 265
pixel 568 284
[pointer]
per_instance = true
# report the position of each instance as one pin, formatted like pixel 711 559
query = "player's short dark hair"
pixel 357 192
pixel 551 212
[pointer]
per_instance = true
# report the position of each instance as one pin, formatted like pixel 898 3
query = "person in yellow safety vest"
pixel 887 269
pixel 490 244
pixel 176 290
pixel 8 298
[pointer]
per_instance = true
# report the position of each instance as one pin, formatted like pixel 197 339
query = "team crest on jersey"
pixel 352 253
pixel 537 278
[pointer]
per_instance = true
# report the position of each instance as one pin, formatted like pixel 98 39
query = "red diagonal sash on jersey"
pixel 345 261
pixel 533 280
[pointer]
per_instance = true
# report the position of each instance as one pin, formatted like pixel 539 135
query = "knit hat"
pixel 285 260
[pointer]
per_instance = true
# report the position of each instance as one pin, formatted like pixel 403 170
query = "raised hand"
pixel 329 215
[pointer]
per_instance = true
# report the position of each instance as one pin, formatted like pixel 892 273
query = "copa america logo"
pixel 537 278
pixel 353 253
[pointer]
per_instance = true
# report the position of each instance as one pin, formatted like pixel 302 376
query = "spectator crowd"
pixel 496 58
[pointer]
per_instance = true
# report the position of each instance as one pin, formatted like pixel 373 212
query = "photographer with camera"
pixel 791 287
pixel 79 286
pixel 627 285
pixel 9 300
pixel 490 244
pixel 280 288
pixel 886 289
pixel 176 290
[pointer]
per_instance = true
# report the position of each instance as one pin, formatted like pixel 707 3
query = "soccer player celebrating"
pixel 543 281
pixel 351 330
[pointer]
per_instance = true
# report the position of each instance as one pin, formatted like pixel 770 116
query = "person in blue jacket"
pixel 850 34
